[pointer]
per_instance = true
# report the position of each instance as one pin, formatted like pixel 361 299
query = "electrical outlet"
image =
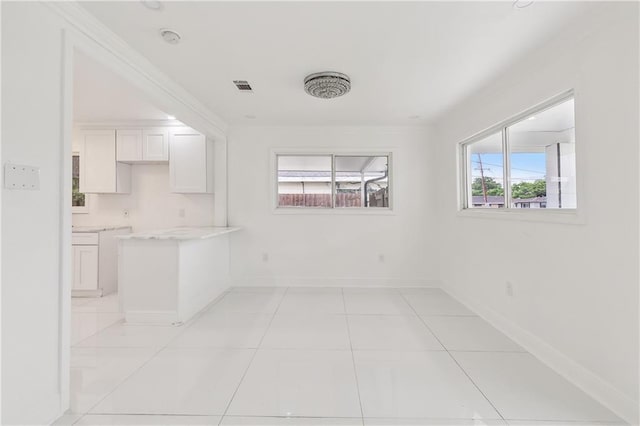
pixel 125 213
pixel 265 257
pixel 181 213
pixel 508 289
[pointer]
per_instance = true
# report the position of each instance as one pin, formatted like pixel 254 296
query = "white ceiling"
pixel 404 58
pixel 101 95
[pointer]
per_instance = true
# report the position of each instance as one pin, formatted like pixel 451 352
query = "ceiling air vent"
pixel 243 85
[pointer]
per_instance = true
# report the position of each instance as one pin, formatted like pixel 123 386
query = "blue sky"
pixel 524 166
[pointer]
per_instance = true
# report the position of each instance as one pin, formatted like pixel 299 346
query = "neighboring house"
pixel 497 201
pixel 492 201
pixel 530 203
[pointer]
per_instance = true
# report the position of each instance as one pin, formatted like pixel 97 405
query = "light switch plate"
pixel 20 176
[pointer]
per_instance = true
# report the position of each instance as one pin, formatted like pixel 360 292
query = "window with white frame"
pixel 525 163
pixel 326 181
pixel 79 201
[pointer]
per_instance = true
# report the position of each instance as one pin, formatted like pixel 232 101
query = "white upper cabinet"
pixel 108 155
pixel 143 145
pixel 101 173
pixel 129 145
pixel 155 144
pixel 191 165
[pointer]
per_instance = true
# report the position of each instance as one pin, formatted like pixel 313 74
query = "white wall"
pixel 575 285
pixel 31 134
pixel 331 249
pixel 35 345
pixel 150 204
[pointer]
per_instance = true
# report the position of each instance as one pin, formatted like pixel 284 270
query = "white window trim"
pixel 553 215
pixel 330 152
pixel 80 209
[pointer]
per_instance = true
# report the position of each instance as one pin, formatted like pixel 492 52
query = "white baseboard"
pixel 260 281
pixel 590 383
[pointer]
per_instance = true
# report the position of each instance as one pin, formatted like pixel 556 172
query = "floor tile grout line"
pixel 121 320
pixel 97 331
pixel 353 358
pixel 253 356
pixel 153 356
pixel 159 349
pixel 121 382
pixel 202 313
pixel 454 359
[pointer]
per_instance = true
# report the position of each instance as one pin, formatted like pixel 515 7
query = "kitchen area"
pixel 147 242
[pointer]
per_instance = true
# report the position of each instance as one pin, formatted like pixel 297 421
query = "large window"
pixel 333 181
pixel 526 163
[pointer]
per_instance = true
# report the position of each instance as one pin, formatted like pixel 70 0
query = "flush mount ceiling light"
pixel 170 36
pixel 521 4
pixel 152 4
pixel 327 85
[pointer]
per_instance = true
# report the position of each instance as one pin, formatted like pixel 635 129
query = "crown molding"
pixel 134 67
pixel 127 124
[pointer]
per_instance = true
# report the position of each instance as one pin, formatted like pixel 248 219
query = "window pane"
pixel 485 173
pixel 77 198
pixel 362 181
pixel 304 181
pixel 542 159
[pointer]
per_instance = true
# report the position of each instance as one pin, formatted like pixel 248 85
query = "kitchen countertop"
pixel 83 229
pixel 186 233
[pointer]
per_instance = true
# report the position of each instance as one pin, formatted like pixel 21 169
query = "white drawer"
pixel 84 238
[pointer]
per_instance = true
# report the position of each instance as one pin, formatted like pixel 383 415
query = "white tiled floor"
pixel 275 356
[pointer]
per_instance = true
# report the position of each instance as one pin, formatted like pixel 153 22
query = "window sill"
pixel 568 216
pixel 335 211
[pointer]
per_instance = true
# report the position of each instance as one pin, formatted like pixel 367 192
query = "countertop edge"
pixel 164 235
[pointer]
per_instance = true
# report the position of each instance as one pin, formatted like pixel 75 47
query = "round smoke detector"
pixel 170 36
pixel 327 85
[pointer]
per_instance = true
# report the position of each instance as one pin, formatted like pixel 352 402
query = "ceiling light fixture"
pixel 522 4
pixel 152 4
pixel 171 117
pixel 170 36
pixel 327 84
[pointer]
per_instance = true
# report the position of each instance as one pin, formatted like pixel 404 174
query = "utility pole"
pixel 484 185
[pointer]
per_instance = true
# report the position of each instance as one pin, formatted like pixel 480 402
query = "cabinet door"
pixel 155 146
pixel 85 267
pixel 129 145
pixel 98 165
pixel 188 165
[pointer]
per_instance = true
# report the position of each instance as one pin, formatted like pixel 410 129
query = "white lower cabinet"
pixel 85 267
pixel 95 261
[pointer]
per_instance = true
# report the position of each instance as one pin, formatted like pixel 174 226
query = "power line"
pixel 513 168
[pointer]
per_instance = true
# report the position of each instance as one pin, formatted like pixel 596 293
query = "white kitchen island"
pixel 167 276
